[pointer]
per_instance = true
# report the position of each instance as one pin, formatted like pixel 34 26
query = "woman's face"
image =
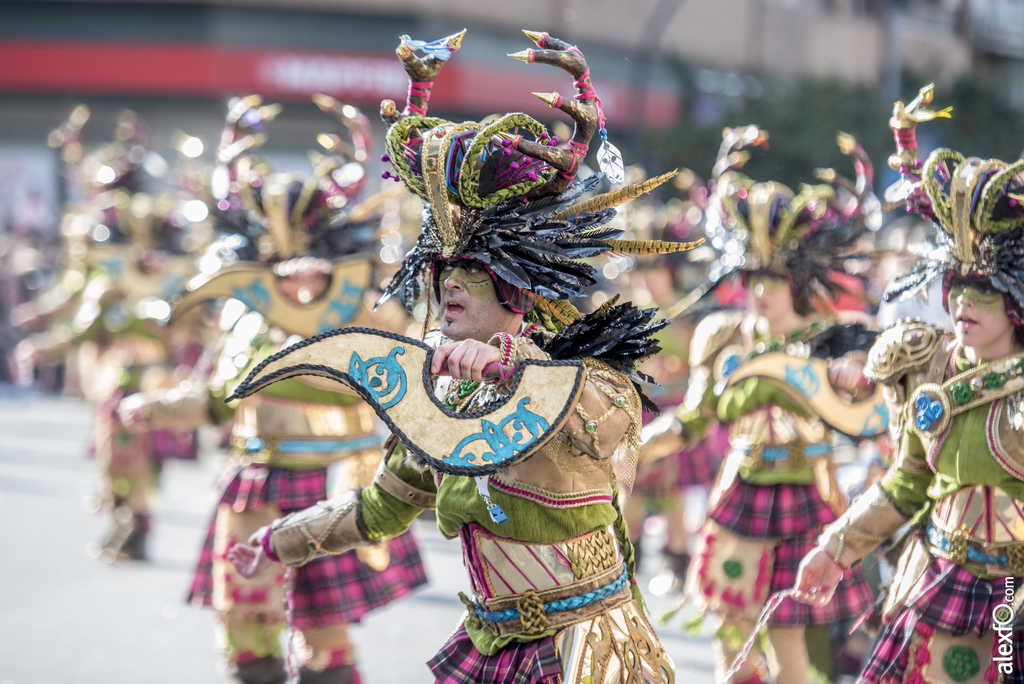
pixel 978 314
pixel 773 297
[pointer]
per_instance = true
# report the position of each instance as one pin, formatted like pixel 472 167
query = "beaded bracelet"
pixel 506 346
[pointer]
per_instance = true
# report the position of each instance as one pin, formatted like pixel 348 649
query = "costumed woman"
pixel 298 258
pixel 764 374
pixel 530 433
pixel 134 249
pixel 957 408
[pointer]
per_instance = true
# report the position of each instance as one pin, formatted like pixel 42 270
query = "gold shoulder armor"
pixel 907 344
pixel 713 333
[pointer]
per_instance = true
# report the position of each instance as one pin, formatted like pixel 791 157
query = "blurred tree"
pixel 802 117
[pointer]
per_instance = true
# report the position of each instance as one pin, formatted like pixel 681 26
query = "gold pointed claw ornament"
pixel 454 41
pixel 548 98
pixel 538 37
pixel 392 373
pixel 523 55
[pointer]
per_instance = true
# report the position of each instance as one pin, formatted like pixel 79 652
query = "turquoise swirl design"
pixel 388 377
pixel 254 296
pixel 804 379
pixel 527 427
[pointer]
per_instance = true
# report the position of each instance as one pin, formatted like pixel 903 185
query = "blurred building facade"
pixel 178 62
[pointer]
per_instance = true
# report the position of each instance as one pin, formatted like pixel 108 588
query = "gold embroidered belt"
pixel 299 452
pixel 760 456
pixel 533 612
pixel 980 528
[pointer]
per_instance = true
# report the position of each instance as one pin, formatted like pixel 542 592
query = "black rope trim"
pixel 249 386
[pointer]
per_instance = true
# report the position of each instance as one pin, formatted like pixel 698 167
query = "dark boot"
pixel 267 670
pixel 134 547
pixel 342 674
pixel 123 525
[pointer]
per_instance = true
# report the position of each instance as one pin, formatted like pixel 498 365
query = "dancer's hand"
pixel 466 360
pixel 817 578
pixel 846 373
pixel 130 412
pixel 249 559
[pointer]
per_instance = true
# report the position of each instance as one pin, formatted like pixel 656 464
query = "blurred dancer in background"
pixel 134 248
pixel 297 263
pixel 777 488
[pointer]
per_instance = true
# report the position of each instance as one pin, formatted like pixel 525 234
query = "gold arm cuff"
pixel 326 529
pixel 177 408
pixel 402 490
pixel 870 520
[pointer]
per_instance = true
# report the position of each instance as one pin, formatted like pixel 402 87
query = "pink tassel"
pixel 923 656
pixel 727 597
pixel 915 677
pixel 992 671
pixel 761 583
pixel 708 590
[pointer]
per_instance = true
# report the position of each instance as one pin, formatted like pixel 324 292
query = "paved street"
pixel 68 619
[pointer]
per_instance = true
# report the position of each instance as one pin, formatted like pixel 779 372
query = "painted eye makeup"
pixel 983 298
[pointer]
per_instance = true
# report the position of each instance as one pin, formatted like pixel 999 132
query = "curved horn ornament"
pixel 258 288
pixel 392 373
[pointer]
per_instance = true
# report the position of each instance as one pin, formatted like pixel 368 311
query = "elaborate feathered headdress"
pixel 978 205
pixel 505 192
pixel 295 216
pixel 767 227
pixel 270 220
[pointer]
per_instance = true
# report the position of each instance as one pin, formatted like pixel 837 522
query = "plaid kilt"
pixel 329 590
pixel 949 598
pixel 344 589
pixel 796 515
pixel 530 662
pixel 177 444
pixel 853 595
pixel 782 511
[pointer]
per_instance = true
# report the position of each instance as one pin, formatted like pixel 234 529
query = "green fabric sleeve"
pixel 908 491
pixel 695 424
pixel 750 395
pixel 382 514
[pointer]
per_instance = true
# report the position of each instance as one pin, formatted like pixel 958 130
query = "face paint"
pixel 989 302
pixel 473 279
pixel 761 284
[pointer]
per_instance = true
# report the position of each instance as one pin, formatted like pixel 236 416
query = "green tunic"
pixel 963 459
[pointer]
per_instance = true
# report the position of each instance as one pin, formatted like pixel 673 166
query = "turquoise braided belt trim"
pixel 942 541
pixel 315 445
pixel 781 453
pixel 560 605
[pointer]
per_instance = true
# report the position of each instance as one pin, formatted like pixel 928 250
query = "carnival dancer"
pixel 300 265
pixel 764 374
pixel 957 407
pixel 543 540
pixel 133 247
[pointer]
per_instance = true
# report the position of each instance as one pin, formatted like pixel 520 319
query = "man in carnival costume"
pixel 544 543
pixel 953 611
pixel 128 251
pixel 296 257
pixel 766 374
